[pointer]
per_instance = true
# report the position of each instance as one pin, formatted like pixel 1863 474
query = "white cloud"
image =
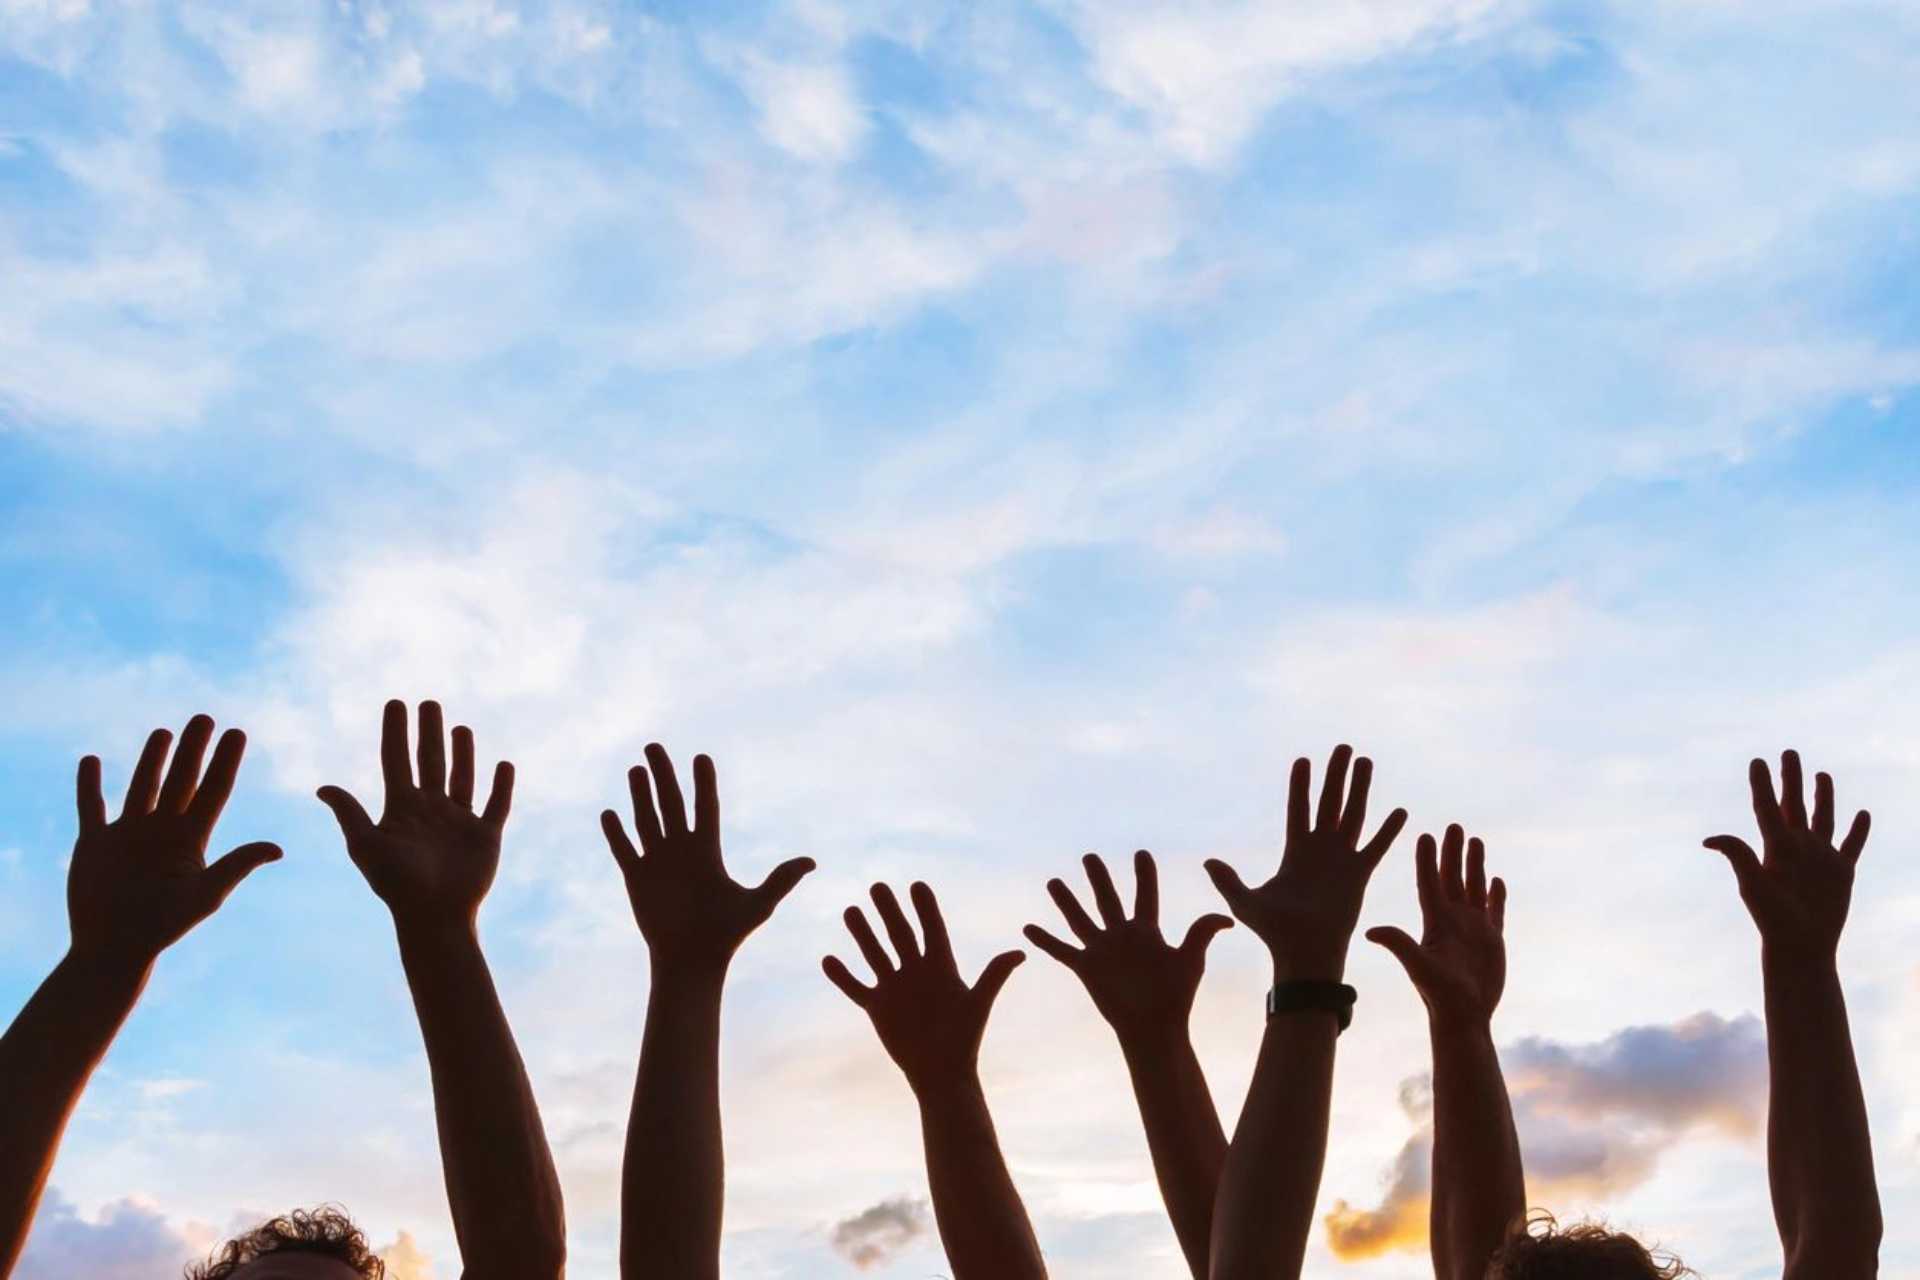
pixel 129 1240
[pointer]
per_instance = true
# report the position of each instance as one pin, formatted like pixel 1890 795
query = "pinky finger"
pixel 500 799
pixel 1856 840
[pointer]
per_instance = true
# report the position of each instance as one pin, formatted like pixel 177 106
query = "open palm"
pixel 1459 966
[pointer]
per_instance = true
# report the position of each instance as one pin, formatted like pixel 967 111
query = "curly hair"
pixel 326 1230
pixel 1539 1248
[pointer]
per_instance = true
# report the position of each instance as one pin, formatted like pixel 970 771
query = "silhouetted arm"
pixel 694 916
pixel 1263 1214
pixel 136 885
pixel 1144 987
pixel 431 859
pixel 1459 966
pixel 1826 1201
pixel 931 1023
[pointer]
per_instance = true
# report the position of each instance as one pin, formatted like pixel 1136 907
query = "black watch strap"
pixel 1335 998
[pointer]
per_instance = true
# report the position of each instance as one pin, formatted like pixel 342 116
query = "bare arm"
pixel 431 859
pixel 1144 987
pixel 1459 966
pixel 136 885
pixel 931 1022
pixel 694 917
pixel 1306 913
pixel 1826 1201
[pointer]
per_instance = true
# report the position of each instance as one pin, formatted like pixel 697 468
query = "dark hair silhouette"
pixel 326 1230
pixel 1542 1249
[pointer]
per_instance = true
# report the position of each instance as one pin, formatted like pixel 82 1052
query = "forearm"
pixel 505 1195
pixel 674 1180
pixel 1263 1214
pixel 983 1223
pixel 1184 1135
pixel 46 1058
pixel 1479 1189
pixel 1819 1152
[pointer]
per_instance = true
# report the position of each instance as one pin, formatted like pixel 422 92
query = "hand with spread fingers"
pixel 1459 966
pixel 1306 912
pixel 1799 888
pixel 931 1023
pixel 691 912
pixel 1141 983
pixel 430 858
pixel 927 1016
pixel 1826 1199
pixel 137 884
pixel 1144 987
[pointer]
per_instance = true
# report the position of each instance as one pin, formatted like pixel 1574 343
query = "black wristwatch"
pixel 1335 998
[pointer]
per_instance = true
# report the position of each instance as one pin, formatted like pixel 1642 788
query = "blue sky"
pixel 993 431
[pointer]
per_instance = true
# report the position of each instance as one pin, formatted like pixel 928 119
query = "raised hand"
pixel 929 1020
pixel 1307 911
pixel 1140 982
pixel 1459 966
pixel 693 915
pixel 1799 888
pixel 137 884
pixel 430 858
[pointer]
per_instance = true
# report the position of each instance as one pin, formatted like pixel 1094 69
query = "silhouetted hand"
pixel 1306 913
pixel 1799 889
pixel 929 1020
pixel 1140 982
pixel 430 858
pixel 1459 966
pixel 139 883
pixel 693 915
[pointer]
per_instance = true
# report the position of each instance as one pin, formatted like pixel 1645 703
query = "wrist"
pixel 107 969
pixel 942 1090
pixel 1452 1029
pixel 1147 1043
pixel 1315 964
pixel 420 934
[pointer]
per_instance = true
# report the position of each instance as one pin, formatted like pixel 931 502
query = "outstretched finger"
pixel 432 748
pixel 395 766
pixel 706 799
pixel 1376 849
pixel 838 974
pixel 211 797
pixel 899 932
pixel 1063 952
pixel 995 975
pixel 870 947
pixel 1353 819
pixel 183 775
pixel 1299 800
pixel 355 825
pixel 1333 789
pixel 933 925
pixel 1476 873
pixel 781 881
pixel 1426 876
pixel 1497 905
pixel 86 795
pixel 460 776
pixel 1106 898
pixel 144 785
pixel 1823 816
pixel 1452 885
pixel 1404 949
pixel 225 875
pixel 1793 792
pixel 1766 808
pixel 1202 932
pixel 1856 841
pixel 1740 856
pixel 615 831
pixel 1071 911
pixel 1230 885
pixel 673 809
pixel 1146 888
pixel 500 799
pixel 646 819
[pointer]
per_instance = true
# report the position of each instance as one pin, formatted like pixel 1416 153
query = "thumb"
pixel 223 876
pixel 1404 949
pixel 1228 882
pixel 1202 932
pixel 780 882
pixel 1739 855
pixel 995 975
pixel 354 823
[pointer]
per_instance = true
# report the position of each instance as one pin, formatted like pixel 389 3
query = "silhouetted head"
pixel 317 1244
pixel 1542 1249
